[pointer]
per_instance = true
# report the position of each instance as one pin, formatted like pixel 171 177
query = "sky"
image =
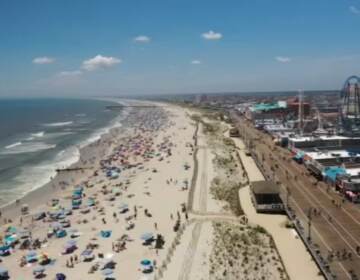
pixel 130 47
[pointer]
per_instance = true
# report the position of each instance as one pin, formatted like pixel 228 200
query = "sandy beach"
pixel 159 200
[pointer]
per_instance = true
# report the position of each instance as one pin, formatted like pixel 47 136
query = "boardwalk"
pixel 333 229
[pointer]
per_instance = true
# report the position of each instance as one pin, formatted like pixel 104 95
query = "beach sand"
pixel 156 183
pixel 139 182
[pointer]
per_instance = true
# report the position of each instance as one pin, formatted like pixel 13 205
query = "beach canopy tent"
pixel 330 173
pixel 60 276
pixel 4 273
pixel 5 250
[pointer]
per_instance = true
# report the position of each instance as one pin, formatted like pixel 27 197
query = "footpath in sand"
pixel 298 262
pixel 215 244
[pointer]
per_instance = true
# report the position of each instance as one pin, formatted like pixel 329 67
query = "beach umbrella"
pixel 105 233
pixel 147 236
pixel 145 262
pixel 107 272
pixel 31 256
pixel 123 206
pixel 11 229
pixel 39 270
pixel 10 239
pixel 56 225
pixel 71 242
pixel 4 248
pixel 86 253
pixel 60 276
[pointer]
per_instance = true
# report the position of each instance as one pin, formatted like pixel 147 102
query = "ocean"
pixel 39 135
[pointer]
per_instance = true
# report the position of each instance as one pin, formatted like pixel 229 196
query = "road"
pixel 332 228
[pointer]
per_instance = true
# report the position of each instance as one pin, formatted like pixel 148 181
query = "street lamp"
pixel 288 194
pixel 309 223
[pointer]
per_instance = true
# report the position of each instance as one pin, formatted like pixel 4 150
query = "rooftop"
pixel 264 187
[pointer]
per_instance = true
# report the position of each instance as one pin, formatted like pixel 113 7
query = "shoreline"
pixel 30 197
pixel 150 149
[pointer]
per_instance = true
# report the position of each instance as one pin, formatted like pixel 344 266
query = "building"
pixel 331 142
pixel 266 197
pixel 263 111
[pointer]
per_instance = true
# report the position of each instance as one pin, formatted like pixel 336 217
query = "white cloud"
pixel 43 60
pixel 211 35
pixel 195 61
pixel 283 59
pixel 142 39
pixel 74 73
pixel 100 62
pixel 354 10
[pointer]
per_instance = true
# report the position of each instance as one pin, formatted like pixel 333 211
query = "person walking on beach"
pixel 155 226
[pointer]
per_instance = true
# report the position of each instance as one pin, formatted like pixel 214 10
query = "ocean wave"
pixel 36 176
pixel 21 148
pixel 13 145
pixel 58 124
pixel 38 134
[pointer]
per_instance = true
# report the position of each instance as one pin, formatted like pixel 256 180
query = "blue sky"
pixel 115 47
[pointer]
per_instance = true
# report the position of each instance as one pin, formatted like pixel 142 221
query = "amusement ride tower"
pixel 350 107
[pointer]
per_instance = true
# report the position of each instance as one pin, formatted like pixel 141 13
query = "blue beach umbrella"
pixel 145 262
pixel 60 276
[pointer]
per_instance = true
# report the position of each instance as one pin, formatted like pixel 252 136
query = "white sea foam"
pixel 58 124
pixel 21 148
pixel 38 134
pixel 13 145
pixel 34 177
